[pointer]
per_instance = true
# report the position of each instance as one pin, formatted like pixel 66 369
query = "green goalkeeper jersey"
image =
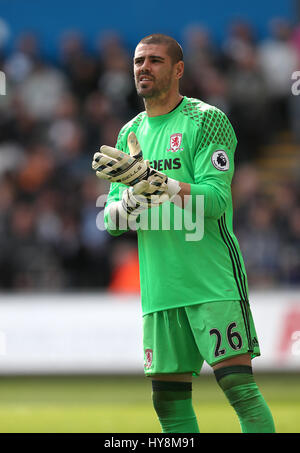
pixel 194 143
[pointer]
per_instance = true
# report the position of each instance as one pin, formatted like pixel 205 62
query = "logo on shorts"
pixel 149 357
pixel 175 142
pixel 220 160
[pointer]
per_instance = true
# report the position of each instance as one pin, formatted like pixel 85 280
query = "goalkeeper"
pixel 194 293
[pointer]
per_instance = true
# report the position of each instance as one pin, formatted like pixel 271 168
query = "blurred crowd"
pixel 55 114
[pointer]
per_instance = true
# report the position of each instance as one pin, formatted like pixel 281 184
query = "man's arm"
pixel 215 200
pixel 213 167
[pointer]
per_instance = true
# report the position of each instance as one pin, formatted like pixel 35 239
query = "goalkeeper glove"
pixel 130 169
pixel 135 200
pixel 143 196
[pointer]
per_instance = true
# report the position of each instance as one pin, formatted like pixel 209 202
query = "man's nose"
pixel 146 65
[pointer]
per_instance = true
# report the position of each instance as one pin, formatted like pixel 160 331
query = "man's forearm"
pixel 215 202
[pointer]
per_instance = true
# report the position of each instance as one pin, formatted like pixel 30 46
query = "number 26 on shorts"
pixel 234 339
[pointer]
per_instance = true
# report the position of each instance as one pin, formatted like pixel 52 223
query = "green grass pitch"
pixel 122 404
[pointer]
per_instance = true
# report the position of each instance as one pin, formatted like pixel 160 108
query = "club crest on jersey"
pixel 175 142
pixel 149 357
pixel 220 160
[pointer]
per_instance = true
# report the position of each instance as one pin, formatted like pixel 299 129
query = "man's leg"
pixel 235 378
pixel 171 357
pixel 225 334
pixel 172 401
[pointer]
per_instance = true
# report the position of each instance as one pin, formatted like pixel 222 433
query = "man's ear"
pixel 179 69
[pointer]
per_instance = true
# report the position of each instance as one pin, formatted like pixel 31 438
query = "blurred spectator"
pixel 116 81
pixel 67 110
pixel 284 202
pixel 42 91
pixel 27 263
pixel 291 251
pixel 94 238
pixel 214 87
pixel 249 108
pixel 12 157
pixel 18 125
pixel 97 113
pixel 125 275
pixel 202 77
pixel 278 60
pixel 48 218
pixel 36 170
pixel 7 199
pixel 296 39
pixel 259 242
pixel 199 49
pixel 239 43
pixel 246 191
pixel 64 132
pixel 21 62
pixel 80 67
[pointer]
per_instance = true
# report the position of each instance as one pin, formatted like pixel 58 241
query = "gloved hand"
pixel 130 169
pixel 143 195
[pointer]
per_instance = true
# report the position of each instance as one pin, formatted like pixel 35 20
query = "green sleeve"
pixel 214 163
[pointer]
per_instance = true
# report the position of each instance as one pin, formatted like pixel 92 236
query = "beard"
pixel 158 87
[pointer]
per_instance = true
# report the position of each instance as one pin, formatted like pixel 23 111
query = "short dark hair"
pixel 174 49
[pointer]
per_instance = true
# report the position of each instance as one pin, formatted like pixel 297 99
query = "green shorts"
pixel 180 339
